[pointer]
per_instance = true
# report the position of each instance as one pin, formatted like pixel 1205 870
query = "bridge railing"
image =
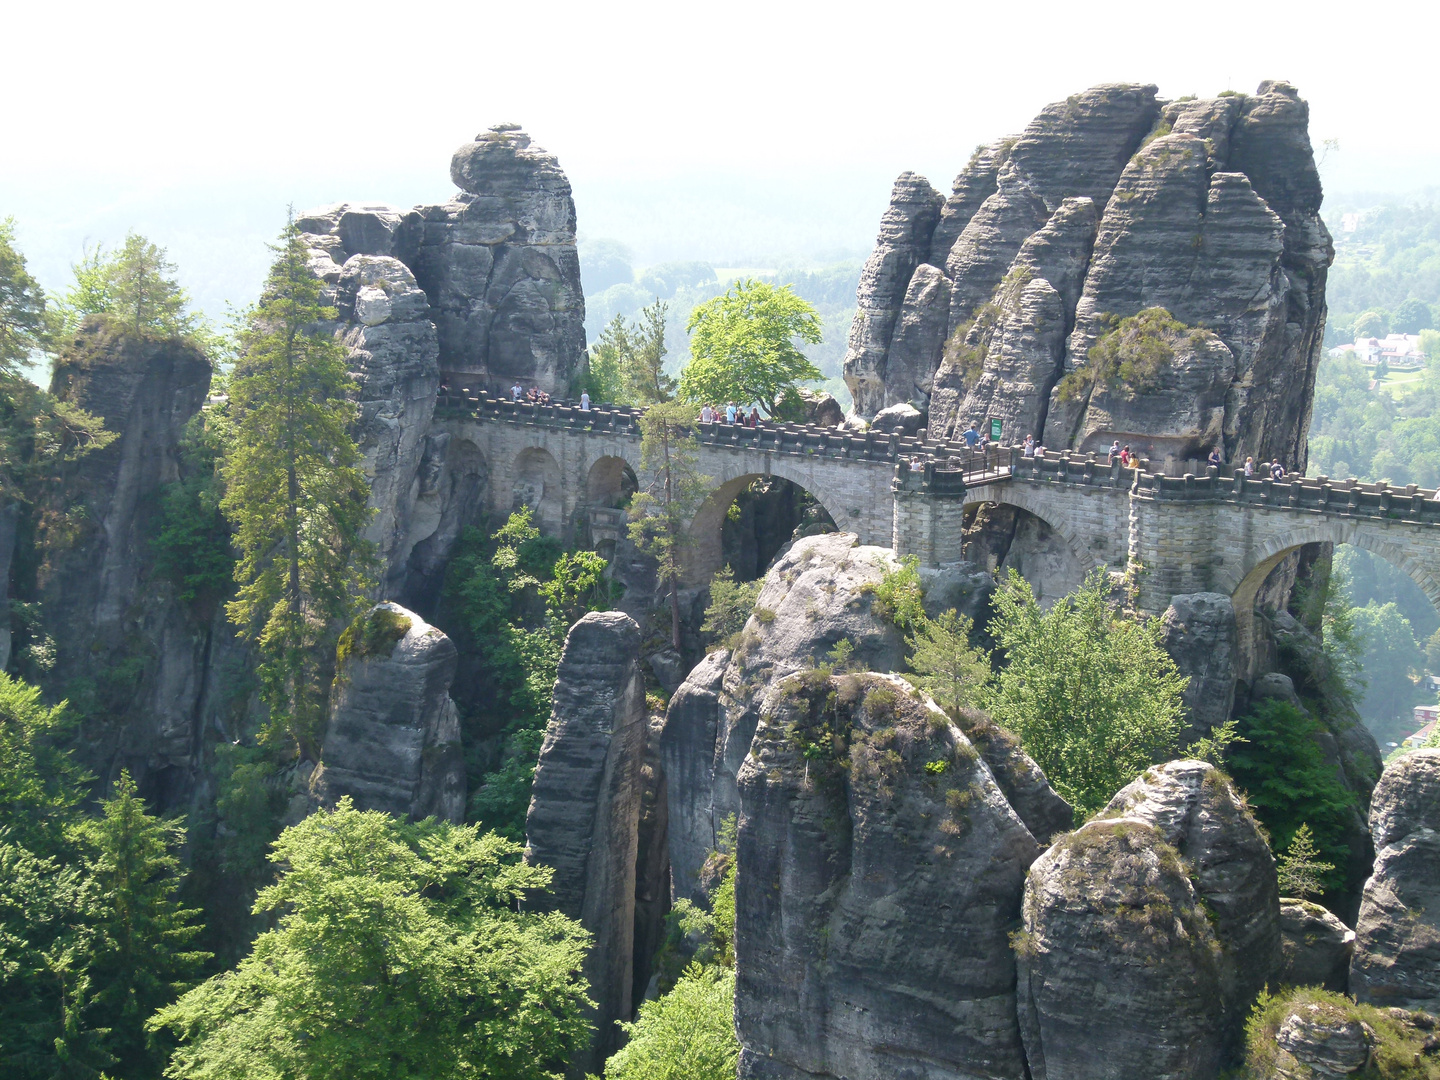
pixel 808 439
pixel 1377 500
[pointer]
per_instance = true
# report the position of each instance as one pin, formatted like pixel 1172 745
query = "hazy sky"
pixel 719 131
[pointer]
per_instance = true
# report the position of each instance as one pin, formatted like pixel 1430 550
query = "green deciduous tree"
pixel 399 950
pixel 954 673
pixel 687 1034
pixel 40 784
pixel 135 285
pixel 742 346
pixel 1390 658
pixel 661 512
pixel 25 322
pixel 295 495
pixel 1091 693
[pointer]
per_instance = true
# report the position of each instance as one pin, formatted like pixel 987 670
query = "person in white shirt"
pixel 584 401
pixel 707 414
pixel 515 392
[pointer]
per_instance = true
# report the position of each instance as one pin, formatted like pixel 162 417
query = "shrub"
pixel 374 633
pixel 1132 356
pixel 731 603
pixel 1399 1050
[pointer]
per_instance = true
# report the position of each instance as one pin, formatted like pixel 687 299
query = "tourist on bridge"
pixel 1277 470
pixel 707 414
pixel 515 392
pixel 754 418
pixel 972 437
pixel 1249 466
pixel 1114 452
pixel 584 400
pixel 1214 458
pixel 1126 458
pixel 730 413
pixel 1029 450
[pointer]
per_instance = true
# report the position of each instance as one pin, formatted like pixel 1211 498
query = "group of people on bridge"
pixel 730 414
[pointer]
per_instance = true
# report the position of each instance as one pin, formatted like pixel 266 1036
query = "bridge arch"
pixel 705 554
pixel 610 482
pixel 536 482
pixel 1244 581
pixel 1034 502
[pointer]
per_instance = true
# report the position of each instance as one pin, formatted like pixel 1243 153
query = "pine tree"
pixel 660 514
pixel 947 667
pixel 141 960
pixel 135 286
pixel 1299 867
pixel 295 496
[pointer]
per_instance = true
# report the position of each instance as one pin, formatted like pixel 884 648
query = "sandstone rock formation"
pixel 1110 202
pixel 817 594
pixel 1131 962
pixel 1397 938
pixel 497 263
pixel 586 807
pixel 881 869
pixel 1320 1041
pixel 393 738
pixel 1201 638
pixel 1315 946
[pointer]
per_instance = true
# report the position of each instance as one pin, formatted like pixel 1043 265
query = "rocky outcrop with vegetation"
pixel 392 742
pixel 1111 203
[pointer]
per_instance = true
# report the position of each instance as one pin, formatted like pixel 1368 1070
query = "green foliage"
pixel 1300 868
pixel 899 597
pixel 731 605
pixel 1216 745
pixel 40 784
pixel 373 633
pixel 295 495
pixel 399 950
pixel 141 955
pixel 1288 782
pixel 627 364
pixel 191 539
pixel 947 667
pixel 661 512
pixel 687 1034
pixel 742 346
pixel 1399 1052
pixel 1092 694
pixel 250 803
pixel 1391 660
pixel 509 600
pixel 38 434
pixel 1132 357
pixel 135 286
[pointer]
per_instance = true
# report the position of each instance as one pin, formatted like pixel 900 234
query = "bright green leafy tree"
pixel 742 346
pixel 295 496
pixel 1091 693
pixel 660 513
pixel 731 605
pixel 1390 657
pixel 399 950
pixel 134 285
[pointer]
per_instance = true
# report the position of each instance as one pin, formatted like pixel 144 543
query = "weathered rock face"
pixel 881 874
pixel 1132 963
pixel 904 241
pixel 821 408
pixel 903 418
pixel 587 803
pixel 1397 938
pixel 1208 208
pixel 1315 946
pixel 1320 1041
pixel 104 607
pixel 393 738
pixel 497 263
pixel 1201 638
pixel 817 594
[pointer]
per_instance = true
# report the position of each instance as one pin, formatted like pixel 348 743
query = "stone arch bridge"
pixel 1213 532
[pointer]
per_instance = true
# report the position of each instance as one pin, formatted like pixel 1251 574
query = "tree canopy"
pixel 135 285
pixel 1091 693
pixel 627 364
pixel 398 950
pixel 742 346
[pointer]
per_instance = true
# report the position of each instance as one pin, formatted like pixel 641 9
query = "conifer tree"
pixel 134 285
pixel 946 665
pixel 1300 868
pixel 141 960
pixel 295 495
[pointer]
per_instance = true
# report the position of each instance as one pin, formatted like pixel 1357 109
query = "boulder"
pixel 392 740
pixel 821 408
pixel 881 873
pixel 586 808
pixel 1319 1041
pixel 1315 946
pixel 903 419
pixel 904 242
pixel 1397 937
pixel 1200 636
pixel 1148 932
